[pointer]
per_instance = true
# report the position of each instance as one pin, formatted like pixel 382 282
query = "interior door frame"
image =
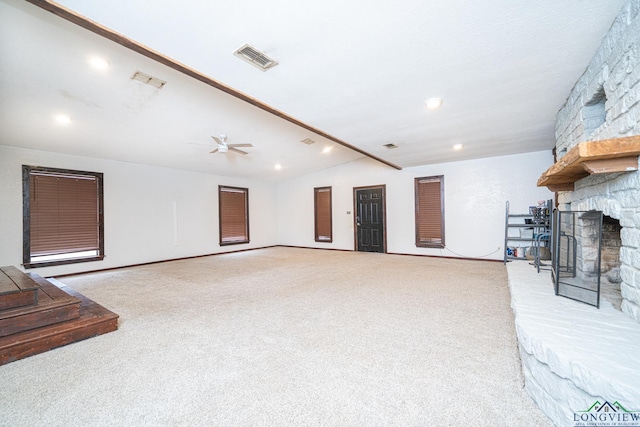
pixel 383 187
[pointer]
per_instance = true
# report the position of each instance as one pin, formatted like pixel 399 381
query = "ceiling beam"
pixel 109 34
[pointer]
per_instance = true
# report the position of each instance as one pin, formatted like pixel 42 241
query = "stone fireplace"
pixel 597 148
pixel 564 370
pixel 617 195
pixel 573 354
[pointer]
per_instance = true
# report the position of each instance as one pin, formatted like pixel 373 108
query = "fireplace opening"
pixel 586 257
pixel 577 255
pixel 610 268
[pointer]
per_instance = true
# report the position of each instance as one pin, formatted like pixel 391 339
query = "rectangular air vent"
pixel 254 57
pixel 390 145
pixel 308 141
pixel 145 78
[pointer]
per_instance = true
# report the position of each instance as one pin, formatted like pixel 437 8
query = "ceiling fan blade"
pixel 237 151
pixel 214 151
pixel 240 145
pixel 217 140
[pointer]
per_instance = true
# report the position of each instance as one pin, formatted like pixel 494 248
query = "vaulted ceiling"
pixel 351 76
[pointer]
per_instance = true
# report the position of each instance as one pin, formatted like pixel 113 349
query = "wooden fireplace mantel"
pixel 592 157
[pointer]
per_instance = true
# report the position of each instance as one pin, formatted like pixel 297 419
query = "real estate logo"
pixel 607 414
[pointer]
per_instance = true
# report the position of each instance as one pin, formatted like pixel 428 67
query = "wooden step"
pixel 16 290
pixel 93 320
pixel 53 306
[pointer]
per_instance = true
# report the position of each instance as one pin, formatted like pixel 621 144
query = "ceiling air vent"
pixel 390 145
pixel 308 141
pixel 254 57
pixel 145 78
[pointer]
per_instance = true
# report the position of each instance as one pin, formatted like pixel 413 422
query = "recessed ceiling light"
pixel 278 166
pixel 327 149
pixel 62 119
pixel 458 147
pixel 433 103
pixel 99 63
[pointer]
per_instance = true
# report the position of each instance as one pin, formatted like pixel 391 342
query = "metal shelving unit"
pixel 537 221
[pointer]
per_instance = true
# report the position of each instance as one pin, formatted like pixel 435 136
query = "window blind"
pixel 429 212
pixel 234 215
pixel 64 213
pixel 322 205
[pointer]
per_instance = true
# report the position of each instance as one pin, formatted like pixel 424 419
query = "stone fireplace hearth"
pixel 572 354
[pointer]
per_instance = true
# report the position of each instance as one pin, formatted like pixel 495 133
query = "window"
pixel 430 211
pixel 62 216
pixel 322 208
pixel 234 215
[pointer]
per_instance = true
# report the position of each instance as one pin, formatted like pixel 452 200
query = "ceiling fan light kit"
pixel 223 147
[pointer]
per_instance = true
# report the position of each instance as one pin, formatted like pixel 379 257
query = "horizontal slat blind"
pixel 233 215
pixel 323 226
pixel 64 214
pixel 429 215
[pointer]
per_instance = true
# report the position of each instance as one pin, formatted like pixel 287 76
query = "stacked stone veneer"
pixel 615 72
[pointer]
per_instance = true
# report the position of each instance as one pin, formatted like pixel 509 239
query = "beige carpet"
pixel 285 337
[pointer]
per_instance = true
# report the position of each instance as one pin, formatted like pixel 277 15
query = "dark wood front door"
pixel 370 219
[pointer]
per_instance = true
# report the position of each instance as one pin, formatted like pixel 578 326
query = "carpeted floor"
pixel 285 337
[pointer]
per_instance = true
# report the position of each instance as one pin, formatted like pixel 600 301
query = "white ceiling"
pixel 358 71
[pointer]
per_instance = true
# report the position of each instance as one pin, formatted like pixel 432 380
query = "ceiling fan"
pixel 223 147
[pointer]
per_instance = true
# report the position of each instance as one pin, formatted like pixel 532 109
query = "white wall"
pixel 139 210
pixel 139 206
pixel 475 196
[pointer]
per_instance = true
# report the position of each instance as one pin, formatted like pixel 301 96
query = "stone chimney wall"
pixel 614 72
pixel 605 103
